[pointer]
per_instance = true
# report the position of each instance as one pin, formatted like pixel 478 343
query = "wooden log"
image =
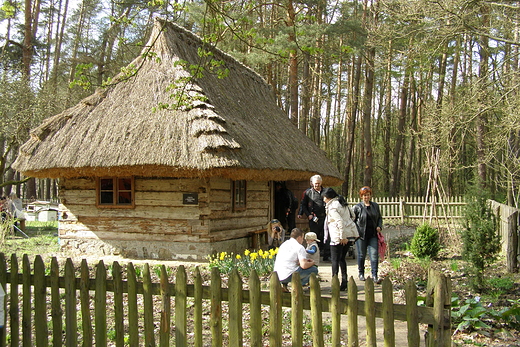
pixel 181 295
pixel 255 304
pixel 77 183
pixel 40 304
pixel 84 294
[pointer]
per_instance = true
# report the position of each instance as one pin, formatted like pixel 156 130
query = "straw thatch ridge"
pixel 230 127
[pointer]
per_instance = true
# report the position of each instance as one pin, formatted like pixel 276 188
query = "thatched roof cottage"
pixel 164 164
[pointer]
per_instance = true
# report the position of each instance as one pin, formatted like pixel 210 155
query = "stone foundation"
pixel 153 249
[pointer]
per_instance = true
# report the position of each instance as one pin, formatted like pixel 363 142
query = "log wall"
pixel 161 226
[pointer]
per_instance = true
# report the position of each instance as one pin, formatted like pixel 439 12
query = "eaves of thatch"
pixel 231 128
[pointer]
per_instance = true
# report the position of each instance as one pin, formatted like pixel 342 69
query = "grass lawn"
pixel 43 239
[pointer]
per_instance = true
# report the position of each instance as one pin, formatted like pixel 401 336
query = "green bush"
pixel 425 242
pixel 481 242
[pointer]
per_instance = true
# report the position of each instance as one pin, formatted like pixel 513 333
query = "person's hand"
pixel 378 229
pixel 299 216
pixel 310 217
pixel 343 241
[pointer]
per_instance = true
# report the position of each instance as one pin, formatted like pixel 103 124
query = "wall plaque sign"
pixel 190 199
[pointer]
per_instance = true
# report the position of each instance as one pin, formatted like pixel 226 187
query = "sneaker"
pixel 343 286
pixel 285 289
pixel 376 280
pixel 361 277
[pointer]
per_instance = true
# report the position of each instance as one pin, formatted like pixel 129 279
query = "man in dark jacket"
pixel 313 207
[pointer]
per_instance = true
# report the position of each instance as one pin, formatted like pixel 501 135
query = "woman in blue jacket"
pixel 369 222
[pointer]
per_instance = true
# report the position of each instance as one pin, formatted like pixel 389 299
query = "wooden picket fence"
pixel 43 307
pixel 508 218
pixel 418 208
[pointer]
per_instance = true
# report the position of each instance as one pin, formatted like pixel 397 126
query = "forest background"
pixel 411 97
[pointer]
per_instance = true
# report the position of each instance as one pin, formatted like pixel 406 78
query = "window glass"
pixel 107 184
pixel 115 191
pixel 239 195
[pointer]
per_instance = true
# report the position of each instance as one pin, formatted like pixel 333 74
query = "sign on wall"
pixel 190 199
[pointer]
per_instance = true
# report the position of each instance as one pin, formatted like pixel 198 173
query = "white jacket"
pixel 339 224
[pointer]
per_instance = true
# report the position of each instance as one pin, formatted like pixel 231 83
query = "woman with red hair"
pixel 369 222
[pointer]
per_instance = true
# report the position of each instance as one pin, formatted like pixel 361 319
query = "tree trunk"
pixel 388 119
pixel 481 121
pixel 411 150
pixel 351 124
pixel 452 143
pixel 77 40
pixel 27 50
pixel 396 169
pixel 367 117
pixel 293 64
pixel 306 91
pixel 59 40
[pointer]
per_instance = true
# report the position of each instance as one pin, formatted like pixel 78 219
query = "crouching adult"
pixel 292 258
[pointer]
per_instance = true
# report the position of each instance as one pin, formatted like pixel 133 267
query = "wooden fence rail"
pixel 62 308
pixel 417 208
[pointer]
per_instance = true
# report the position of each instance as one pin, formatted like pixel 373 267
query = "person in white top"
pixel 340 229
pixel 292 258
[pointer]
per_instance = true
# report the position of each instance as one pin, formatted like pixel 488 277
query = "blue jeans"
pixel 305 275
pixel 369 246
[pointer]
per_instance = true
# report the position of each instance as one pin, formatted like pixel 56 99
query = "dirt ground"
pixel 325 274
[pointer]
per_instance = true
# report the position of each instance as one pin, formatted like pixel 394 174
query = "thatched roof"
pixel 232 126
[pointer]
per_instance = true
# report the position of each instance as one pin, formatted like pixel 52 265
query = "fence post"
pixel 402 209
pixel 438 296
pixel 512 243
pixel 3 301
pixel 2 312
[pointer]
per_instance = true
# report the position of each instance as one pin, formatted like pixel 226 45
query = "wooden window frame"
pixel 116 191
pixel 239 188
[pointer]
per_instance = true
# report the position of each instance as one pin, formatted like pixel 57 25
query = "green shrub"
pixel 481 242
pixel 425 242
